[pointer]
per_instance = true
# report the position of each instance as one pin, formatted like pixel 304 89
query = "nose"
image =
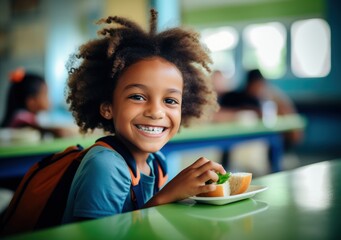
pixel 155 111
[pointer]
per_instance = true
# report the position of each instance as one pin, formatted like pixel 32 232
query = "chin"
pixel 153 149
pixel 150 147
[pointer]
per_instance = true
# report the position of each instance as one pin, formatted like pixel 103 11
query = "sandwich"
pixel 229 184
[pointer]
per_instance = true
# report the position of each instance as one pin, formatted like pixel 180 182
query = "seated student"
pixel 141 87
pixel 258 87
pixel 28 95
pixel 231 101
pixel 220 83
pixel 251 96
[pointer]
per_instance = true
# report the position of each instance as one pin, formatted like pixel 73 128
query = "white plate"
pixel 251 191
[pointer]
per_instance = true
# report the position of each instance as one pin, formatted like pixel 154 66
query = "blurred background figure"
pixel 233 103
pixel 220 83
pixel 271 102
pixel 256 100
pixel 236 105
pixel 27 97
pixel 220 86
pixel 257 87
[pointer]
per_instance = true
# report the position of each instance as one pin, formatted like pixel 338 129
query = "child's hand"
pixel 189 182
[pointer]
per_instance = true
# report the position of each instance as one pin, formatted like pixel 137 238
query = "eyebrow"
pixel 143 87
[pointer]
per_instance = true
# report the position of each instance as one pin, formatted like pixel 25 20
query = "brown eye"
pixel 137 97
pixel 171 101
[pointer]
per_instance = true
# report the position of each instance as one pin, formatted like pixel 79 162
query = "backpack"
pixel 41 197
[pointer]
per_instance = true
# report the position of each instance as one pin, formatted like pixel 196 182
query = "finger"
pixel 207 188
pixel 209 165
pixel 208 175
pixel 199 162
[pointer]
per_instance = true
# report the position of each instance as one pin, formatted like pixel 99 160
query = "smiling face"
pixel 146 107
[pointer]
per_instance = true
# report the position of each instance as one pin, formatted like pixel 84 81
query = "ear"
pixel 106 110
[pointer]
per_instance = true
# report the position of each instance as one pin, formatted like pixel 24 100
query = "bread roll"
pixel 221 191
pixel 237 183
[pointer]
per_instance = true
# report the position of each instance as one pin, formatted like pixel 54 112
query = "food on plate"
pixel 229 184
pixel 239 182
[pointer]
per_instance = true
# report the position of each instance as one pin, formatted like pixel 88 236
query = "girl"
pixel 140 86
pixel 28 95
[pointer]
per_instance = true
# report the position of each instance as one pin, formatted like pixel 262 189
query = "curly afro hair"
pixel 95 69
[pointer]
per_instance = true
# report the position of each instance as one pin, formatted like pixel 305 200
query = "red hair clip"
pixel 17 75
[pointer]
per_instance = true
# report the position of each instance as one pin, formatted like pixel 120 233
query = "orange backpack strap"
pixel 160 169
pixel 162 177
pixel 107 142
pixel 135 180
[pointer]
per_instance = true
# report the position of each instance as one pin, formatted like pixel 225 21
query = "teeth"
pixel 150 130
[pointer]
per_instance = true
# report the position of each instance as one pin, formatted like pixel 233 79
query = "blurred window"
pixel 221 42
pixel 264 47
pixel 310 48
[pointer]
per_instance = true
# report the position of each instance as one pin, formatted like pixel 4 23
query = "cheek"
pixel 176 116
pixel 122 116
pixel 44 102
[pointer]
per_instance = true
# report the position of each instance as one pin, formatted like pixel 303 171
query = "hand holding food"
pixel 189 182
pixel 229 184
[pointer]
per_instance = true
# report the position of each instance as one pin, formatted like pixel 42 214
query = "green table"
pixel 300 204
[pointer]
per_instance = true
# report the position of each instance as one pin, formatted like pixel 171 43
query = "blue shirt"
pixel 101 186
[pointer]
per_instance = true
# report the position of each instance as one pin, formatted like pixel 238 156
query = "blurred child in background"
pixel 27 96
pixel 258 87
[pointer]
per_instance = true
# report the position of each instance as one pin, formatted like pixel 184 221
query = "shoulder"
pixel 105 160
pixel 101 151
pixel 101 185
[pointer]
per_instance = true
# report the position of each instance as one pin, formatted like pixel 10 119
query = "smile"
pixel 150 129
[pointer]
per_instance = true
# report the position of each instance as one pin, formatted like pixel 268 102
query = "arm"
pixel 284 103
pixel 189 182
pixel 285 107
pixel 27 119
pixel 100 186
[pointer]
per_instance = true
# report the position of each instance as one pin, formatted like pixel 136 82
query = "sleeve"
pixel 23 119
pixel 102 184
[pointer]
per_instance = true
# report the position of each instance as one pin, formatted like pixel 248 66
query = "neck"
pixel 139 157
pixel 141 162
